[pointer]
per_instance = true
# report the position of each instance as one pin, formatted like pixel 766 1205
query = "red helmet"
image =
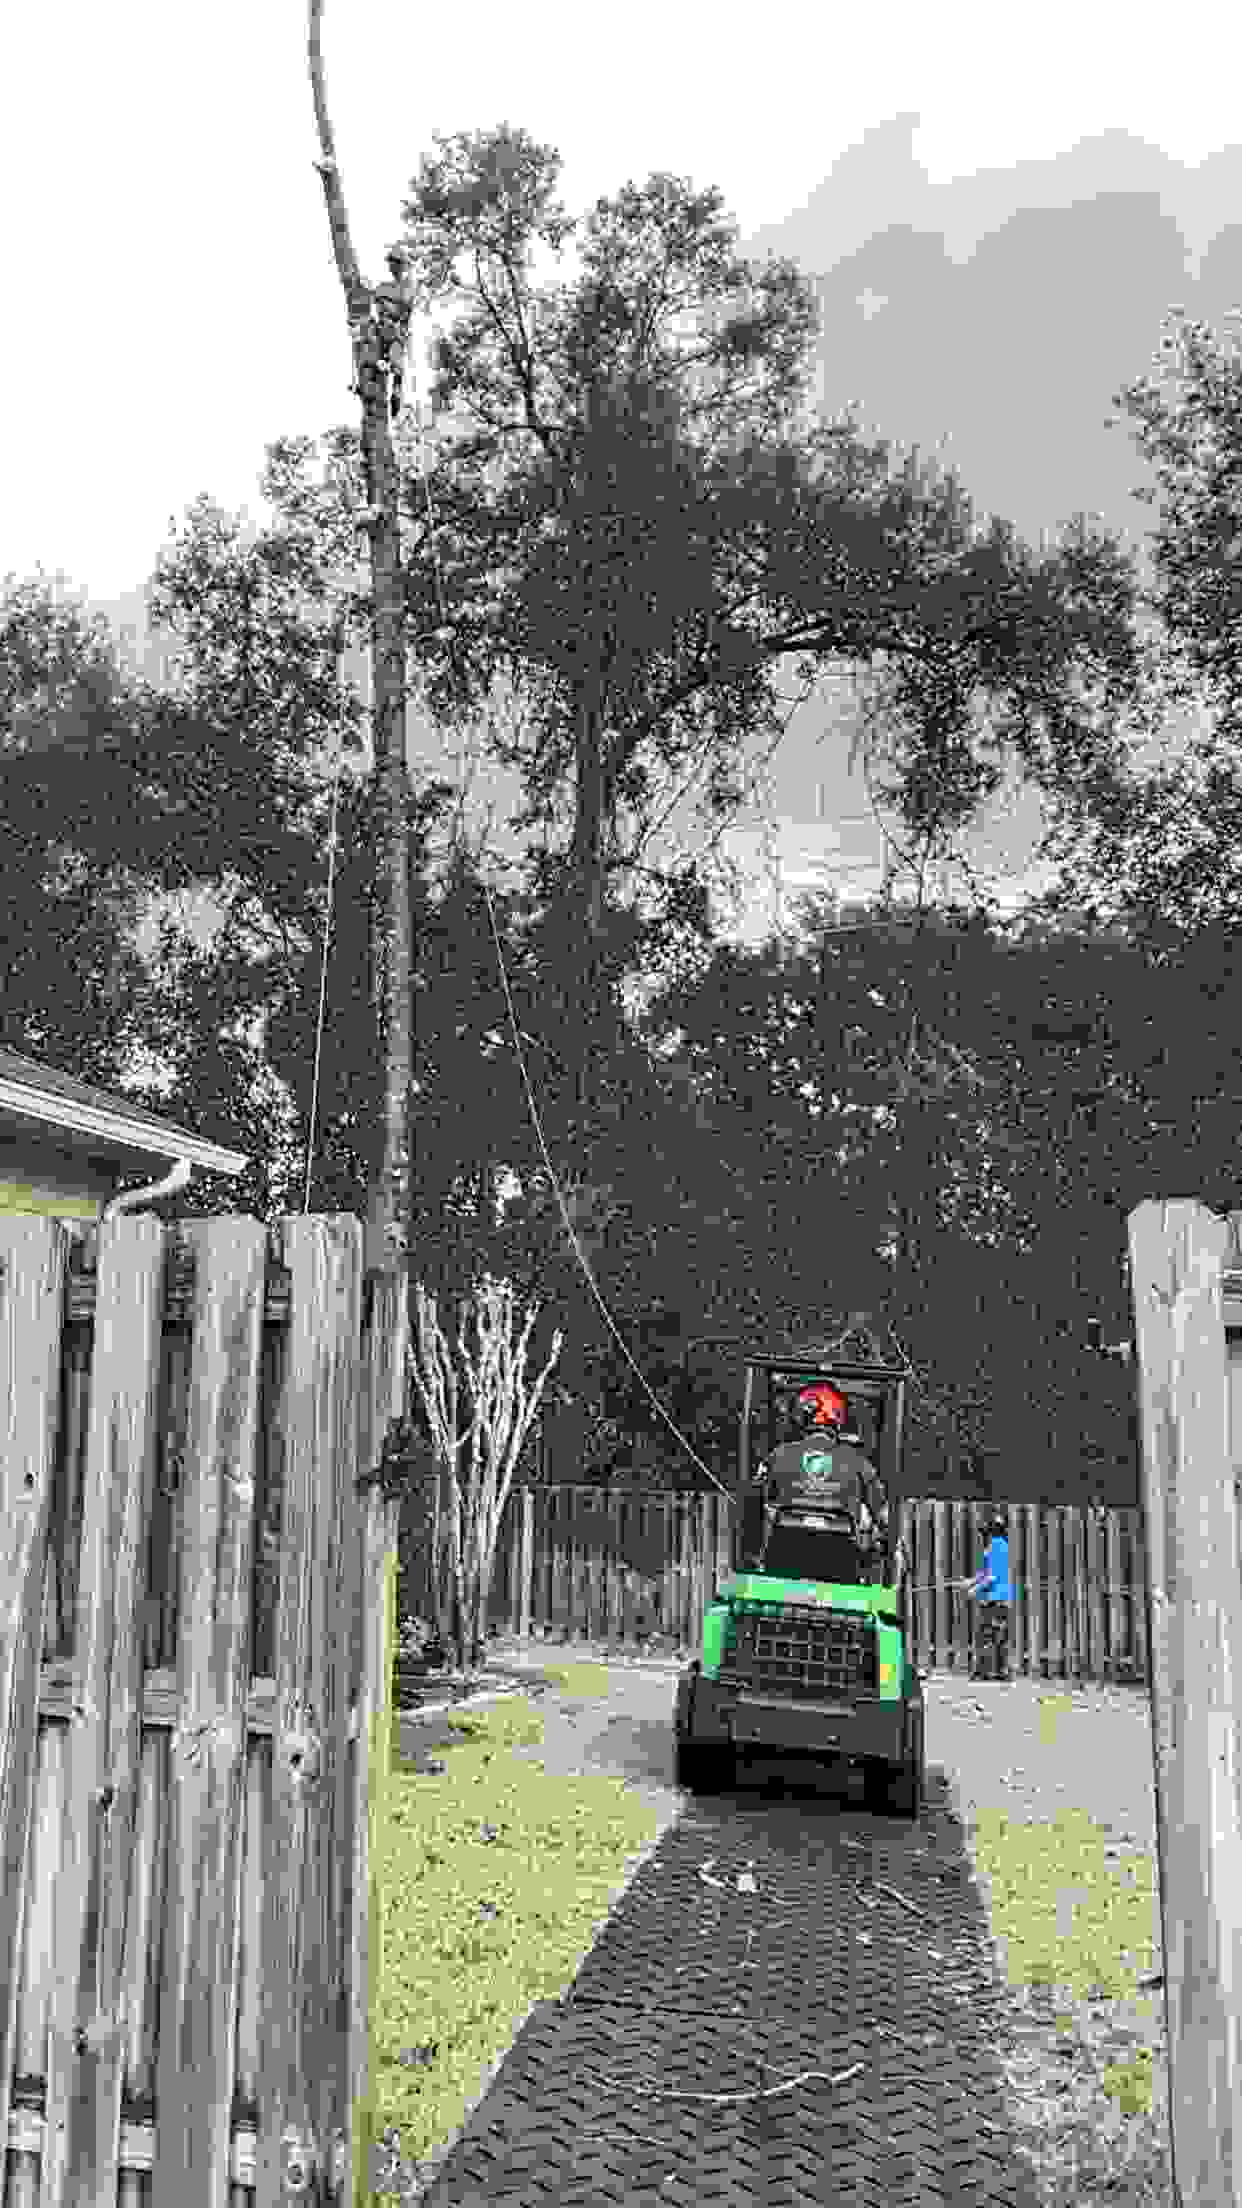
pixel 827 1404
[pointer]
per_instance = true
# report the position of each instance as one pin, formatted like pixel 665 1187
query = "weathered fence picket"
pixel 1188 1334
pixel 194 1664
pixel 623 1565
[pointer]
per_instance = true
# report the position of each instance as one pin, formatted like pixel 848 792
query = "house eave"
pixel 131 1141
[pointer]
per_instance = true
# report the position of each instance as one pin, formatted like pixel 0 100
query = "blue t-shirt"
pixel 995 1563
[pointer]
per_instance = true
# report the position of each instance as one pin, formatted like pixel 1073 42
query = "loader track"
pixel 827 2037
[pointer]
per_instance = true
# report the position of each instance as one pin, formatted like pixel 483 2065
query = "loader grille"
pixel 802 1651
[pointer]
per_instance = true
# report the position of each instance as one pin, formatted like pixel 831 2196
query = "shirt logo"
pixel 816 1466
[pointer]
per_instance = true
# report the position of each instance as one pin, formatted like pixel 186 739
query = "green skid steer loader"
pixel 804 1655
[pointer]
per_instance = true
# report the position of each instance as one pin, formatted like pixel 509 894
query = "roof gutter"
pixel 114 1127
pixel 132 1197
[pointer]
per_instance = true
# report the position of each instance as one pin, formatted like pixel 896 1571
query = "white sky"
pixel 172 301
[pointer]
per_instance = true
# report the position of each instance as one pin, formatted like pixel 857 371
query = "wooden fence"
pixel 193 1647
pixel 627 1566
pixel 1186 1284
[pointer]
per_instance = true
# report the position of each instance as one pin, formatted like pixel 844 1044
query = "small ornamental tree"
pixel 477 1441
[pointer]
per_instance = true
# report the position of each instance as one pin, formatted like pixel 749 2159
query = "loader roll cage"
pixel 883 1386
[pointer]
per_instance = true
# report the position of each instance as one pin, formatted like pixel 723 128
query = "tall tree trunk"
pixel 585 1009
pixel 594 794
pixel 589 822
pixel 379 323
pixel 379 320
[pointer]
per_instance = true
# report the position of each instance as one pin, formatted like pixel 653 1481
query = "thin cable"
pixel 579 1252
pixel 327 925
pixel 532 1107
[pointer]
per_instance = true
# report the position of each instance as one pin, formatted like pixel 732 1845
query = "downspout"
pixel 134 1196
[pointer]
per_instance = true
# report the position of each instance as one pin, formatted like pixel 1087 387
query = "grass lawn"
pixel 1074 1921
pixel 495 1882
pixel 497 1877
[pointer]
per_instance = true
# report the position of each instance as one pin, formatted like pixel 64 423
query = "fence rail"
pixel 192 1657
pixel 623 1565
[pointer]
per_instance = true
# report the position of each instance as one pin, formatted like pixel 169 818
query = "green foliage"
pixel 904 1102
pixel 1158 847
pixel 1189 430
pixel 1129 2083
pixel 121 797
pixel 638 519
pixel 637 523
pixel 76 737
pixel 779 1139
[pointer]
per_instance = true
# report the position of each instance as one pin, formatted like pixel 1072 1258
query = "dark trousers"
pixel 991 1640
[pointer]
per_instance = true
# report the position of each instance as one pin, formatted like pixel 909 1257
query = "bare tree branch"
pixel 379 326
pixel 472 1489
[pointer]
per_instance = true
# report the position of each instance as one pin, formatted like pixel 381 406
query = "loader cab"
pixel 801 1658
pixel 875 1395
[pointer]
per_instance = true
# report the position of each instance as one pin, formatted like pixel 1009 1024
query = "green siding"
pixel 18 1196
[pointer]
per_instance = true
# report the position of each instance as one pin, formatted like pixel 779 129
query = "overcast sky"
pixel 172 299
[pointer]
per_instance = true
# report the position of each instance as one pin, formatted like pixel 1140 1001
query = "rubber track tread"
pixel 694 1990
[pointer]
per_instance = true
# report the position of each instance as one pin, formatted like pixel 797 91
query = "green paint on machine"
pixel 804 1652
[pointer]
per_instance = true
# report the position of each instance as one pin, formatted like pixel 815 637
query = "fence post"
pixel 1116 1629
pixel 104 1742
pixel 381 1398
pixel 1071 1583
pixel 1054 1591
pixel 1195 1643
pixel 528 1560
pixel 513 1590
pixel 1138 1596
pixel 939 1531
pixel 206 1780
pixel 1036 1521
pixel 32 1264
pixel 1086 1589
pixel 306 1937
pixel 1024 1520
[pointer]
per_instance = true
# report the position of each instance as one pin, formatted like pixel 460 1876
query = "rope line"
pixel 579 1252
pixel 532 1107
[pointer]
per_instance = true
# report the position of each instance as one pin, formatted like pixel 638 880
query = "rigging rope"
pixel 536 1123
pixel 579 1252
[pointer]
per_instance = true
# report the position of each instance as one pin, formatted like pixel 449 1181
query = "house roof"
pixel 33 1092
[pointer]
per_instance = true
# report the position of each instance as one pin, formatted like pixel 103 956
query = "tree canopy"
pixel 634 521
pixel 1159 848
pixel 632 527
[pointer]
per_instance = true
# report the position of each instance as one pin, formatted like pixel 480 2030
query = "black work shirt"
pixel 836 1472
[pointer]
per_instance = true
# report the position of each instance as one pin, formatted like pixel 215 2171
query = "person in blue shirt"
pixel 992 1594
